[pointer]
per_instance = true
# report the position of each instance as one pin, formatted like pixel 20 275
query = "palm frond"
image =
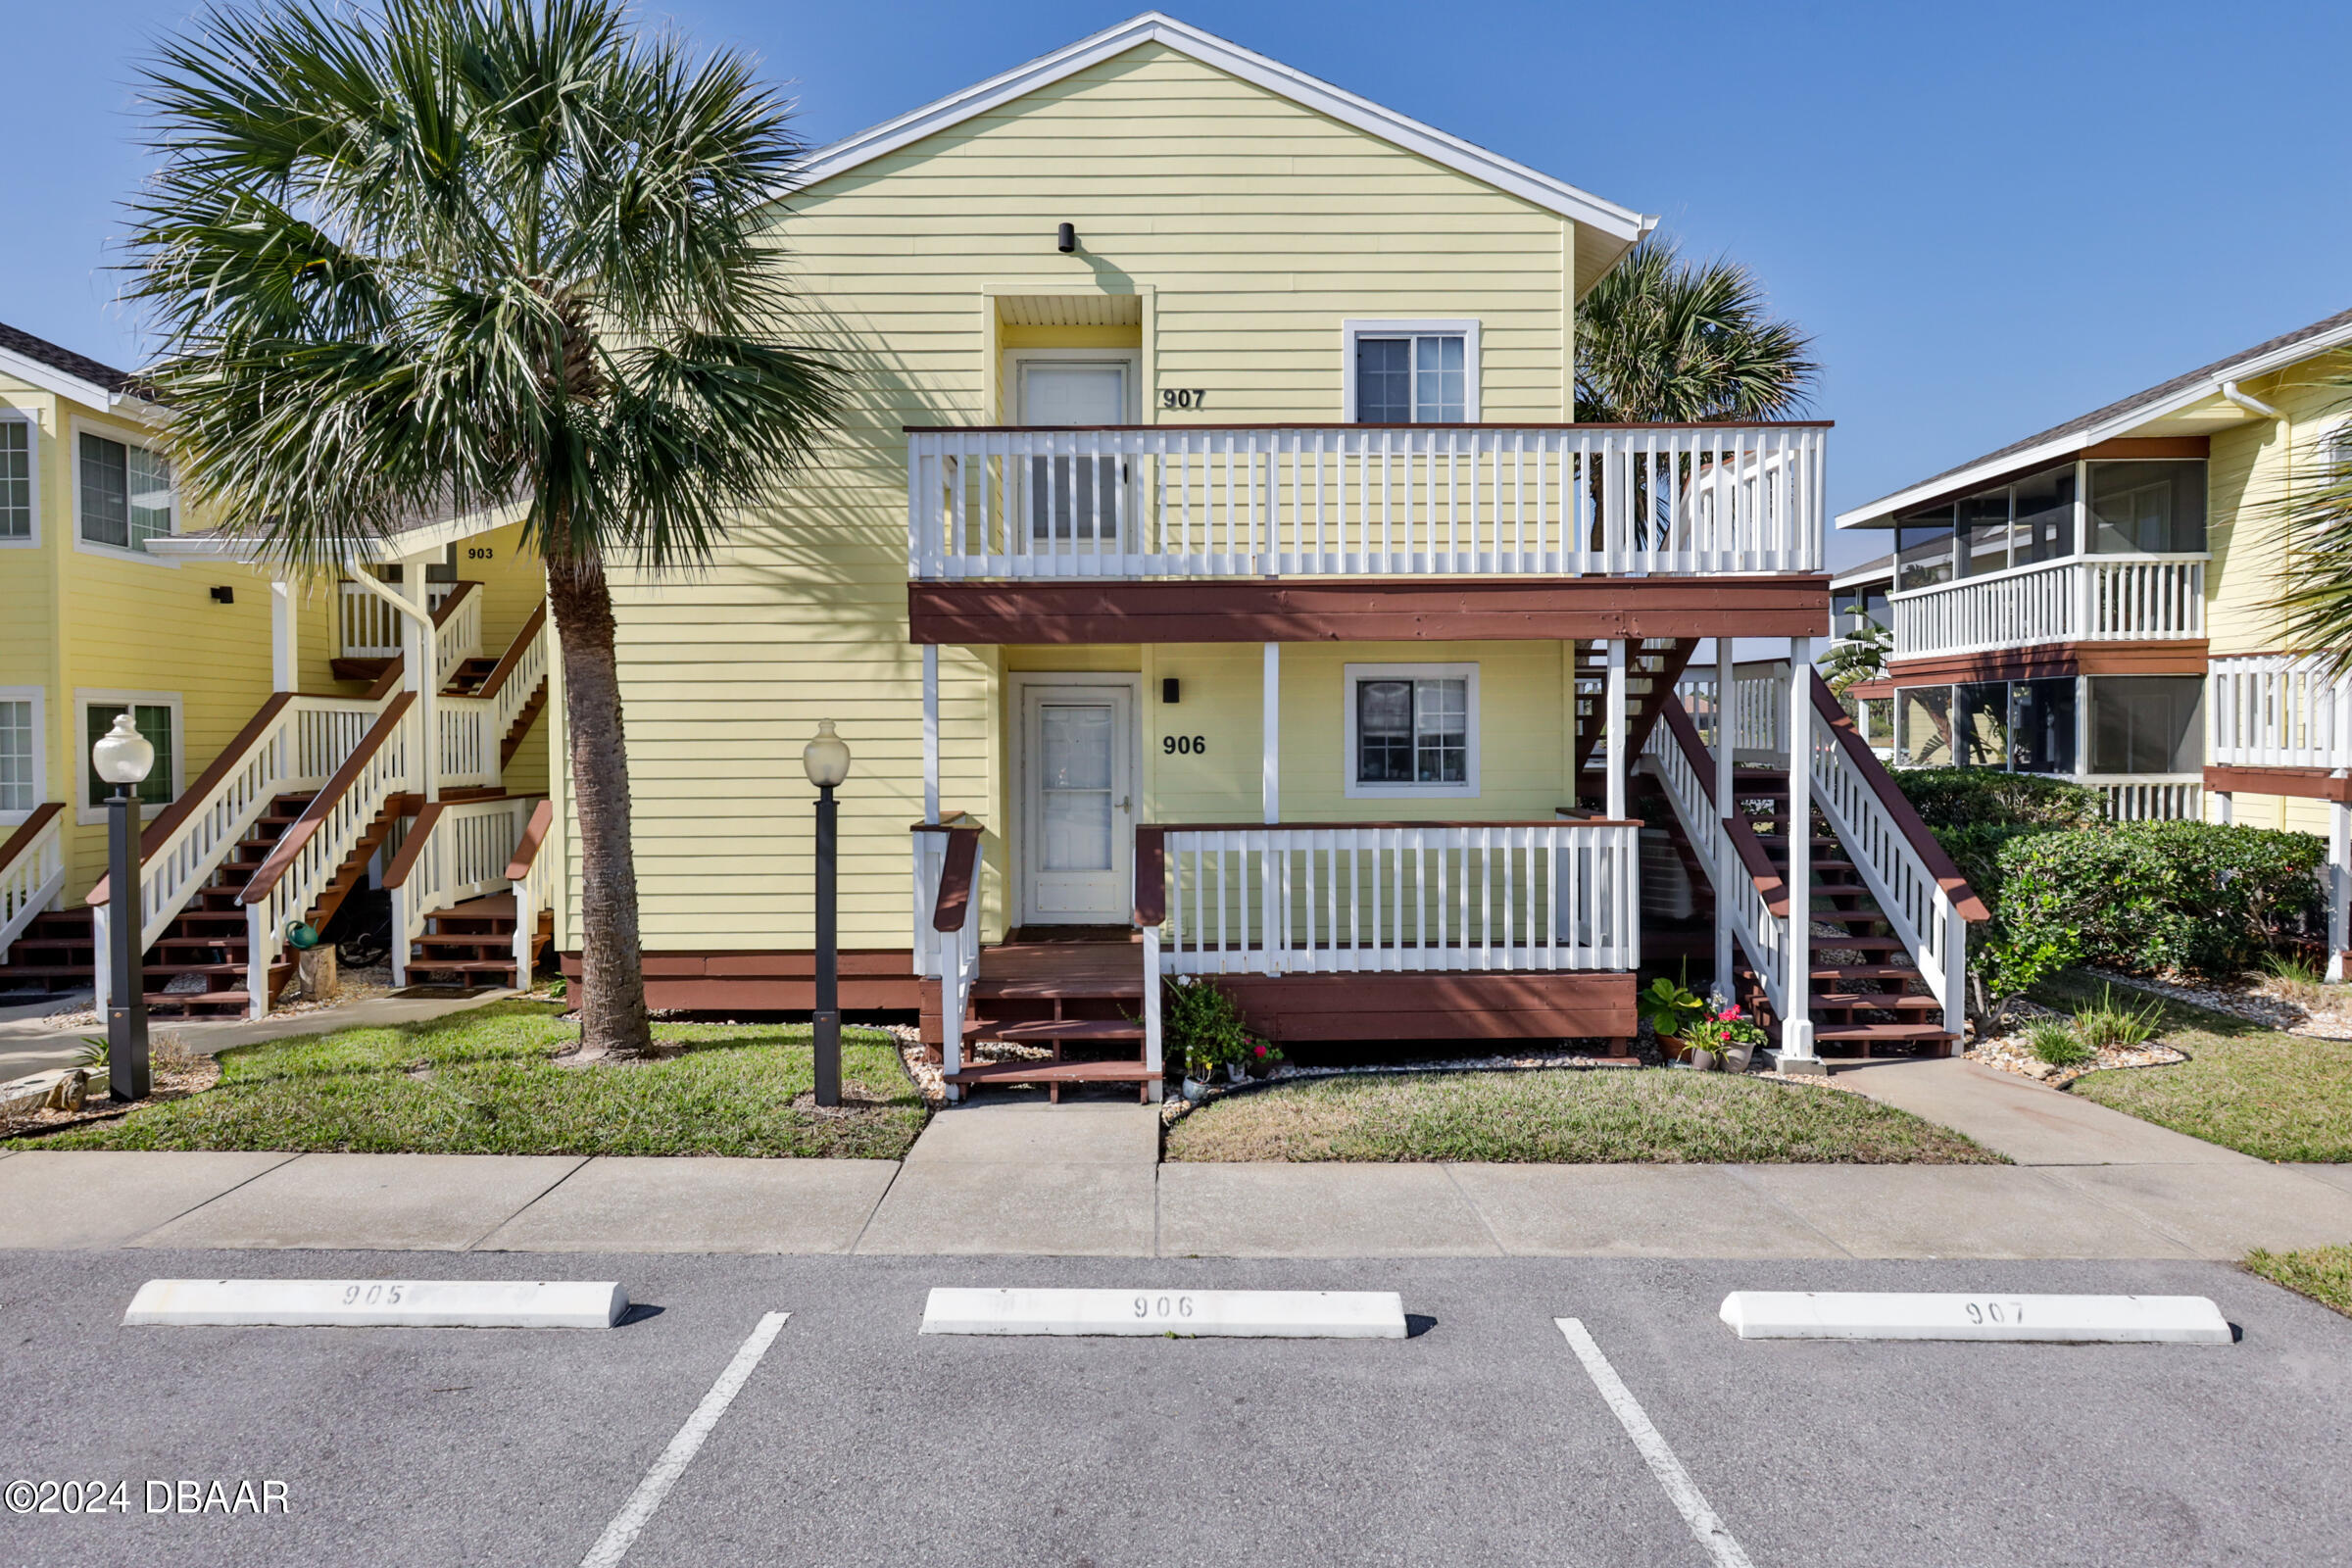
pixel 1660 340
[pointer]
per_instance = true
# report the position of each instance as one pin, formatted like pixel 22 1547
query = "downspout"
pixel 2251 404
pixel 428 677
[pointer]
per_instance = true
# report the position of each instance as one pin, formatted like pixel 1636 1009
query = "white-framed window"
pixel 20 494
pixel 157 716
pixel 1411 730
pixel 122 493
pixel 23 778
pixel 1410 373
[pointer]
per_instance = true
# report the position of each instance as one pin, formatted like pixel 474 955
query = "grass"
pixel 2054 1043
pixel 2322 1273
pixel 2274 1096
pixel 485 1082
pixel 1582 1116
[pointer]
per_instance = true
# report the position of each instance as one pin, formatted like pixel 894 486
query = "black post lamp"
pixel 827 760
pixel 123 757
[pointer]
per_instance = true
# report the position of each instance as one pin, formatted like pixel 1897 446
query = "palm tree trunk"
pixel 611 1001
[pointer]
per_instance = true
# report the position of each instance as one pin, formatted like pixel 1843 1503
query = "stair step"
pixel 1866 972
pixel 1882 1001
pixel 1041 1030
pixel 1879 1032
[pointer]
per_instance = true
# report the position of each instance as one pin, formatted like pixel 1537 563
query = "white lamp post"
pixel 123 757
pixel 827 760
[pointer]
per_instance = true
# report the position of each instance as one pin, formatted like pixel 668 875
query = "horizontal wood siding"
pixel 1252 226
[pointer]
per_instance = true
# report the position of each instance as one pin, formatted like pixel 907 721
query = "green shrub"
pixel 1977 851
pixel 2154 896
pixel 1201 1030
pixel 2112 1023
pixel 1985 797
pixel 2054 1043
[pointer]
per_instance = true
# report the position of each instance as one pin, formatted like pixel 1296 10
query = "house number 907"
pixel 1184 745
pixel 1184 397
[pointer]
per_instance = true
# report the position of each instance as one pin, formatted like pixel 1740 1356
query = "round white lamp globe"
pixel 826 757
pixel 124 756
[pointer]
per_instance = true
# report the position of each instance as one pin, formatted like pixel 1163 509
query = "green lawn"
pixel 2273 1096
pixel 2324 1273
pixel 484 1082
pixel 1577 1116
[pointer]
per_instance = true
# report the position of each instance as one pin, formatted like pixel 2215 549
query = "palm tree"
pixel 2316 590
pixel 431 257
pixel 1660 340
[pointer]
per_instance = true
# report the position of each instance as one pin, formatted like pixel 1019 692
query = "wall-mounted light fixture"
pixel 223 594
pixel 1167 689
pixel 1065 240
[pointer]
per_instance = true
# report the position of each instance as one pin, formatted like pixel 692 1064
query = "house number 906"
pixel 1147 1306
pixel 1184 745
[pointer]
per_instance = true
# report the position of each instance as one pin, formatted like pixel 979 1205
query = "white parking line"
pixel 1681 1489
pixel 634 1517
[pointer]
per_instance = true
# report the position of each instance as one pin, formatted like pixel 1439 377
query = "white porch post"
pixel 1270 777
pixel 1797 1022
pixel 2223 802
pixel 2339 886
pixel 1727 863
pixel 931 733
pixel 285 626
pixel 1614 729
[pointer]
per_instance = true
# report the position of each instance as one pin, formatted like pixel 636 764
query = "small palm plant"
pixel 1660 339
pixel 427 258
pixel 2315 587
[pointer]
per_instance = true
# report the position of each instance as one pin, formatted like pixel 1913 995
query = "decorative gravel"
pixel 2258 999
pixel 2012 1052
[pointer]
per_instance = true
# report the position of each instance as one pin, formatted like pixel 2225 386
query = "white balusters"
pixel 2279 711
pixel 1293 501
pixel 2077 599
pixel 1506 896
pixel 34 879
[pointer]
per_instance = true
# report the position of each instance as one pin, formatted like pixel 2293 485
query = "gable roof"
pixel 59 369
pixel 2165 397
pixel 1621 224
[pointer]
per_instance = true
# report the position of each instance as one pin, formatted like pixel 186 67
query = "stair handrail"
pixel 531 873
pixel 293 742
pixel 453 852
pixel 471 750
pixel 32 871
pixel 1758 902
pixel 308 855
pixel 457 629
pixel 1928 903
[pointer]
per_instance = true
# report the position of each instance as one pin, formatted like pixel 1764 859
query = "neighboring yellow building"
pixel 111 601
pixel 2097 602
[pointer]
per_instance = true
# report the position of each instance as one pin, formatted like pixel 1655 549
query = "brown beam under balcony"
pixel 1377 610
pixel 2173 656
pixel 2303 783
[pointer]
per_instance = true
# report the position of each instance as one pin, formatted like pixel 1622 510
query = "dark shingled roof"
pixel 2149 398
pixel 81 366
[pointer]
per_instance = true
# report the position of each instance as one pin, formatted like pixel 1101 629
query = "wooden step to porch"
pixel 1059 1032
pixel 1054 1075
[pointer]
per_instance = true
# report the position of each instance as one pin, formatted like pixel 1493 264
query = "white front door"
pixel 1074 498
pixel 1078 769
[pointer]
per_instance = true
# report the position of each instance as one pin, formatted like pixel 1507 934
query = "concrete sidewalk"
pixel 1085 1180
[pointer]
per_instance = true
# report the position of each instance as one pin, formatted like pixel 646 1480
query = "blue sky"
pixel 1992 217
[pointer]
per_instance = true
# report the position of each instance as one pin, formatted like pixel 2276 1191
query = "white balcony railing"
pixel 2280 711
pixel 2078 599
pixel 1195 501
pixel 1452 896
pixel 1759 707
pixel 33 876
pixel 2150 797
pixel 367 627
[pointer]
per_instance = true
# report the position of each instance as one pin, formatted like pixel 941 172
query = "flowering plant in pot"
pixel 1201 1028
pixel 1722 1036
pixel 1669 1008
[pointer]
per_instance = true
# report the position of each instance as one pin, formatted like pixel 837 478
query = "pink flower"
pixel 1261 1051
pixel 1728 1014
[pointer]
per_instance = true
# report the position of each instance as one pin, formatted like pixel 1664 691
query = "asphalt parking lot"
pixel 1479 1441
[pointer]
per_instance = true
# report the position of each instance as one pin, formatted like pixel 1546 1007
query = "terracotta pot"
pixel 1671 1048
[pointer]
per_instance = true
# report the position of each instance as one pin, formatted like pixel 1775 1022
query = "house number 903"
pixel 1149 1306
pixel 1184 745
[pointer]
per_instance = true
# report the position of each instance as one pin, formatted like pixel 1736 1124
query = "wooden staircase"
pixel 1651 667
pixel 472 944
pixel 55 952
pixel 1081 998
pixel 1866 996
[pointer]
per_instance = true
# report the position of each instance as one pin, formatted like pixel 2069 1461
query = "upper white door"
pixel 1073 498
pixel 1078 761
